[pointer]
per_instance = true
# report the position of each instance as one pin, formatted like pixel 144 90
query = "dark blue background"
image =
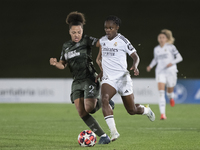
pixel 186 91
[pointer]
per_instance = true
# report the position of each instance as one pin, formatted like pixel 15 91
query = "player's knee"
pixel 88 109
pixel 82 112
pixel 105 99
pixel 89 106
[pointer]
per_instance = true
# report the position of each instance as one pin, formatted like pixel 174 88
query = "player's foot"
pixel 114 136
pixel 172 102
pixel 112 104
pixel 150 114
pixel 104 140
pixel 163 117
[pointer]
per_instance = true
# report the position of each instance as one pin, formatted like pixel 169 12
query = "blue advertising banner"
pixel 187 91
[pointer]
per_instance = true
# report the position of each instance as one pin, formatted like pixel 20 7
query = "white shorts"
pixel 169 79
pixel 123 87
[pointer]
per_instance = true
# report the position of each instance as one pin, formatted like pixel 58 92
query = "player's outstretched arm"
pixel 136 61
pixel 60 65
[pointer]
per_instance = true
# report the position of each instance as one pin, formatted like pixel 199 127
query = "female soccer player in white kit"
pixel 166 56
pixel 116 77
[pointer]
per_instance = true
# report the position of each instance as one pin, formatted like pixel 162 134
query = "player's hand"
pixel 169 65
pixel 136 71
pixel 53 61
pixel 148 68
pixel 100 75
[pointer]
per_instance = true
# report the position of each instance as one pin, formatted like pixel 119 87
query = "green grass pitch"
pixel 56 127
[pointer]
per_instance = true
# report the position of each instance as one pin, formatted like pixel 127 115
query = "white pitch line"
pixel 170 128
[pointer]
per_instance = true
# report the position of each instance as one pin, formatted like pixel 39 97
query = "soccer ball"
pixel 87 138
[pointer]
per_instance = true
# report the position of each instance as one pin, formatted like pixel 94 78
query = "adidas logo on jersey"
pixel 126 91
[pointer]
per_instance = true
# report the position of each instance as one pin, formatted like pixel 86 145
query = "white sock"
pixel 145 109
pixel 162 101
pixel 170 95
pixel 104 135
pixel 111 123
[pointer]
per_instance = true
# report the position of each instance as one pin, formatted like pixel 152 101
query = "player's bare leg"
pixel 170 95
pixel 89 104
pixel 162 101
pixel 130 105
pixel 133 108
pixel 107 92
pixel 79 104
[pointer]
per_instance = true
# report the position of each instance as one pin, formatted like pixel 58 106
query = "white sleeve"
pixel 154 61
pixel 100 40
pixel 174 50
pixel 178 58
pixel 129 47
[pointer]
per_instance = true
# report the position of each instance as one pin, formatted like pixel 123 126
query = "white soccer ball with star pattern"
pixel 87 138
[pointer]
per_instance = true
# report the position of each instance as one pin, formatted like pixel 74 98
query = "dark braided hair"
pixel 75 18
pixel 115 19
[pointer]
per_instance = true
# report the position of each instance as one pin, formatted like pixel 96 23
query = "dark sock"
pixel 98 106
pixel 93 125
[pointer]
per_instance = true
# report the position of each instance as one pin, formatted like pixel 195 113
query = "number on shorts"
pixel 92 88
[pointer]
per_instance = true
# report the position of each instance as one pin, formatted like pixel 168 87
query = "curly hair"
pixel 115 19
pixel 75 18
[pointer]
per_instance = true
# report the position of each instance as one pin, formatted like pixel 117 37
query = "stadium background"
pixel 33 31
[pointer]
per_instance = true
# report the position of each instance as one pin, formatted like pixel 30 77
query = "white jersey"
pixel 163 56
pixel 114 62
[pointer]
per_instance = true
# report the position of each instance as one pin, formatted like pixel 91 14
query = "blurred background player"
pixel 166 56
pixel 77 55
pixel 116 77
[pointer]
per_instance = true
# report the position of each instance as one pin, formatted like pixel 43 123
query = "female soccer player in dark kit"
pixel 76 54
pixel 116 77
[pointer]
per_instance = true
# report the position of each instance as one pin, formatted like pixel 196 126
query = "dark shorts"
pixel 86 88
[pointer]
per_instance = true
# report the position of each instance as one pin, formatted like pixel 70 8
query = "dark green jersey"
pixel 78 57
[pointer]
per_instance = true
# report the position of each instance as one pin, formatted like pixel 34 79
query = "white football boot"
pixel 150 114
pixel 114 136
